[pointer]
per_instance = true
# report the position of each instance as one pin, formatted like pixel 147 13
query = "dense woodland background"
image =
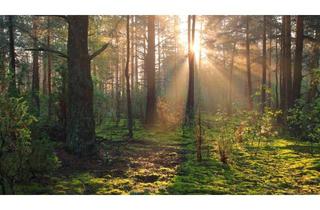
pixel 159 104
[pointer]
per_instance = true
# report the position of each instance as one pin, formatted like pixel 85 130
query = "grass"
pixel 164 162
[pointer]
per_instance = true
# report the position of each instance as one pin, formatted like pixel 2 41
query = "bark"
pixel 231 79
pixel 287 62
pixel 283 93
pixel 250 101
pixel 270 63
pixel 159 57
pixel 189 118
pixel 150 73
pixel 264 66
pixel 12 90
pixel 35 70
pixel 297 74
pixel 130 134
pixel 132 54
pixel 276 76
pixel 117 83
pixel 49 61
pixel 314 63
pixel 2 61
pixel 80 118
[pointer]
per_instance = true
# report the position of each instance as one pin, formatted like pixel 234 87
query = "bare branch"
pixel 96 53
pixel 106 45
pixel 61 54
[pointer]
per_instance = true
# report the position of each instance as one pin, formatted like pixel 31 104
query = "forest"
pixel 148 104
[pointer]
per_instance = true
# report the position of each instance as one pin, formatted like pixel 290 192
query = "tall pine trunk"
pixel 150 73
pixel 297 74
pixel 250 101
pixel 12 90
pixel 80 119
pixel 49 60
pixel 129 112
pixel 264 66
pixel 35 70
pixel 189 116
pixel 287 61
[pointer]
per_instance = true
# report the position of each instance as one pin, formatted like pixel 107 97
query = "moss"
pixel 164 162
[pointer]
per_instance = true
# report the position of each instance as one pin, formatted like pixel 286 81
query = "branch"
pixel 96 53
pixel 61 54
pixel 106 45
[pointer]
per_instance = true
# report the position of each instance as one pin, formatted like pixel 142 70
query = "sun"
pixel 199 48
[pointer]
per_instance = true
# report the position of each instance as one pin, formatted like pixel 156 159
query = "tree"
pixel 189 116
pixel 150 73
pixel 297 74
pixel 285 65
pixel 49 60
pixel 35 69
pixel 128 81
pixel 80 119
pixel 12 90
pixel 250 101
pixel 264 66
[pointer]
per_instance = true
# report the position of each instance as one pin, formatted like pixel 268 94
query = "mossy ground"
pixel 163 162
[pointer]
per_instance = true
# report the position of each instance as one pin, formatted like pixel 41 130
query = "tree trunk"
pixel 231 79
pixel 160 78
pixel 12 90
pixel 287 61
pixel 150 73
pixel 283 93
pixel 270 63
pixel 80 118
pixel 35 70
pixel 2 59
pixel 189 118
pixel 49 60
pixel 314 63
pixel 276 75
pixel 132 55
pixel 297 74
pixel 117 83
pixel 250 101
pixel 264 66
pixel 130 134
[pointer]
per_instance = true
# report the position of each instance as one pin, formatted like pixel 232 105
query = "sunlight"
pixel 199 48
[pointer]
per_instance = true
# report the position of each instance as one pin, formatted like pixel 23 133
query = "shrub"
pixel 42 159
pixel 22 153
pixel 304 120
pixel 170 115
pixel 15 141
pixel 224 146
pixel 257 126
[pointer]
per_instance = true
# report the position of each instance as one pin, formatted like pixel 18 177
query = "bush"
pixel 42 159
pixel 15 141
pixel 21 156
pixel 170 115
pixel 304 120
pixel 257 126
pixel 224 146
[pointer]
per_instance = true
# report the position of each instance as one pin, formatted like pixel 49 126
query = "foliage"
pixel 42 159
pixel 257 126
pixel 15 145
pixel 224 146
pixel 21 155
pixel 304 120
pixel 170 115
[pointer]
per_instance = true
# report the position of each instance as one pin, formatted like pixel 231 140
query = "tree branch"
pixel 96 53
pixel 61 54
pixel 106 45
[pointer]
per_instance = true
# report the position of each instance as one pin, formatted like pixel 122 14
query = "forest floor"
pixel 163 162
